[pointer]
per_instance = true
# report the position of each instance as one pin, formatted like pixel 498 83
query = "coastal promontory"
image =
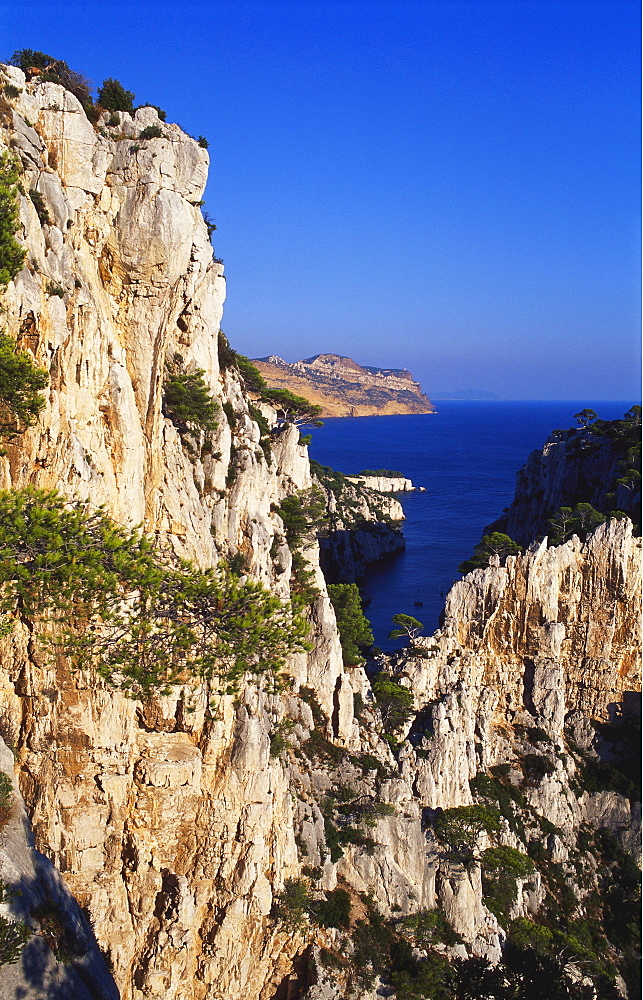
pixel 345 389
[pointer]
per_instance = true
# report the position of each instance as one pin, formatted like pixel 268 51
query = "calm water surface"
pixel 466 455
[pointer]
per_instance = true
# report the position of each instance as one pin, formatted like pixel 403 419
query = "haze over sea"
pixel 466 455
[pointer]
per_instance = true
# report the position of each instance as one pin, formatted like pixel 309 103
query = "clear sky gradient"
pixel 450 186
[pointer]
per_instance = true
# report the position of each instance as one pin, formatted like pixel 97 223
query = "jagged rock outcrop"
pixel 363 526
pixel 579 464
pixel 176 823
pixel 345 389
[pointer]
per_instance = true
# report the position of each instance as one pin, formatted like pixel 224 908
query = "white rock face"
pixel 176 826
pixel 384 484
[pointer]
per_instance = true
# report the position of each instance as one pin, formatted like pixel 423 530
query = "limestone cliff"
pixel 172 836
pixel 345 389
pixel 597 464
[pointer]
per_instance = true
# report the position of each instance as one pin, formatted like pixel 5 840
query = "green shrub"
pixel 186 397
pixel 6 798
pixel 20 384
pixel 203 142
pixel 496 543
pixel 461 826
pixel 12 254
pixel 13 934
pixel 10 91
pixel 227 356
pixel 292 903
pixel 334 911
pixel 40 206
pixel 113 97
pixel 151 132
pixel 54 289
pixel 355 631
pixel 54 71
pixel 231 416
pixel 142 622
pixel 394 701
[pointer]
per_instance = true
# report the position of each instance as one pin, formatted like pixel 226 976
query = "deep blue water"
pixel 466 455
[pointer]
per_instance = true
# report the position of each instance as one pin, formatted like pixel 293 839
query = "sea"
pixel 466 456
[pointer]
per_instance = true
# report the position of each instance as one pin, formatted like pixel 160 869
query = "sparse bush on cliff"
pixel 113 97
pixel 394 701
pixel 460 827
pixel 495 544
pixel 14 934
pixel 355 632
pixel 186 397
pixel 41 207
pixel 407 626
pixel 293 409
pixel 20 383
pixel 301 514
pixel 12 254
pixel 151 132
pixel 109 601
pixel 52 70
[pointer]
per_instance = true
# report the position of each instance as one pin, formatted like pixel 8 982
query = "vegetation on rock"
pixel 20 383
pixel 102 595
pixel 12 254
pixel 394 701
pixel 186 397
pixel 355 631
pixel 495 544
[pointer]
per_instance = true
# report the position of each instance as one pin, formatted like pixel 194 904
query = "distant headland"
pixel 345 389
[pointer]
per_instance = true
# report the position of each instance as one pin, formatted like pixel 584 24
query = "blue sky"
pixel 450 186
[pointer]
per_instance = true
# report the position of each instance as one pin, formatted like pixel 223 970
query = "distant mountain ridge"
pixel 344 388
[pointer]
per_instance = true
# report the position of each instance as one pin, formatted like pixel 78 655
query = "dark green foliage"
pixel 13 934
pixel 394 701
pixel 6 798
pixel 536 767
pixel 264 427
pixel 497 544
pixel 331 836
pixel 211 227
pixel 20 384
pixel 54 71
pixel 461 826
pixel 40 206
pixel 301 513
pixel 334 911
pixel 53 289
pixel 585 417
pixel 382 473
pixel 501 866
pixel 12 254
pixel 151 132
pixel 10 91
pixel 308 695
pixel 293 409
pixel 119 607
pixel 355 632
pixel 292 904
pixel 114 119
pixel 231 416
pixel 407 625
pixel 113 97
pixel 427 927
pixel 186 397
pixel 251 377
pixel 508 860
pixel 203 142
pixel 415 980
pixel 509 799
pixel 318 746
pixel 580 520
pixel 227 356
